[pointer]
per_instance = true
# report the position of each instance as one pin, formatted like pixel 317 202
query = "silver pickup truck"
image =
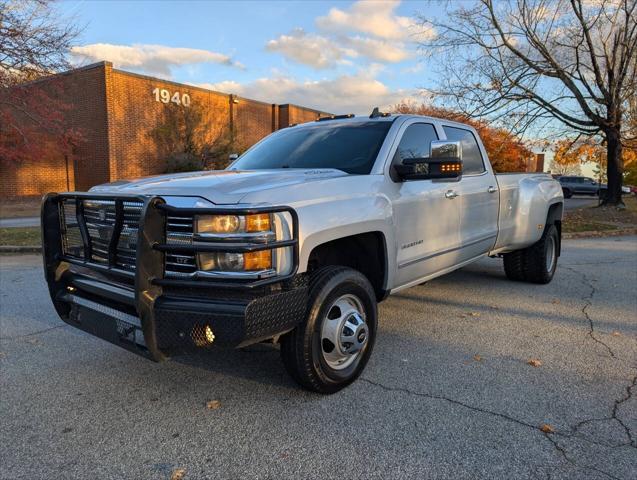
pixel 295 243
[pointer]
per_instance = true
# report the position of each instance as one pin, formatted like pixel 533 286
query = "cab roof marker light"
pixel 335 117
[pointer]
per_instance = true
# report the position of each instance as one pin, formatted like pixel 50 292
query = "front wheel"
pixel 330 349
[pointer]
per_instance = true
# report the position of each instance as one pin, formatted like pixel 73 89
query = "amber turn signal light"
pixel 258 223
pixel 260 260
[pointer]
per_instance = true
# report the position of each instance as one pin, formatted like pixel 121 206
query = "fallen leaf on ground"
pixel 477 358
pixel 213 405
pixel 616 334
pixel 546 428
pixel 534 362
pixel 178 474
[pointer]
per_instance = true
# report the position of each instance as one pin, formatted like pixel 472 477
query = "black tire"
pixel 532 264
pixel 567 193
pixel 302 349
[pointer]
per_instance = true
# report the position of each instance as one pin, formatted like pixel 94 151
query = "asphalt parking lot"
pixel 448 392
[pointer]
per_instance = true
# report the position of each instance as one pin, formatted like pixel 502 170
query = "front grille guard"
pixel 149 275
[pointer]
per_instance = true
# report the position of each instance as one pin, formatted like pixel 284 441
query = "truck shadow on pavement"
pixel 489 309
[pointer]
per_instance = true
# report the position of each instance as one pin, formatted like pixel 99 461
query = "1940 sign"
pixel 164 96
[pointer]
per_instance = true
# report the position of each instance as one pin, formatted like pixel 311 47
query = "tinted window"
pixel 471 156
pixel 415 142
pixel 348 146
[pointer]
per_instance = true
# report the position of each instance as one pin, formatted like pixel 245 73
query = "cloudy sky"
pixel 337 56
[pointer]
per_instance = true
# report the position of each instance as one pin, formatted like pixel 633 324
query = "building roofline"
pixel 171 82
pixel 304 108
pixel 65 73
pixel 105 64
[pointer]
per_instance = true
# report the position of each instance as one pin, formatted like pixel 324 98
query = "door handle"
pixel 492 189
pixel 451 194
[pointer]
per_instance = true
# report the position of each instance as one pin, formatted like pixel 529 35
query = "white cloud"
pixel 379 50
pixel 357 93
pixel 321 52
pixel 377 19
pixel 367 30
pixel 151 59
pixel 310 49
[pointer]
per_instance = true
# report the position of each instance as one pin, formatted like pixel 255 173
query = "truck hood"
pixel 218 186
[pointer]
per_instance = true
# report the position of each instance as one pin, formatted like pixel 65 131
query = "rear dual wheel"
pixel 330 349
pixel 537 263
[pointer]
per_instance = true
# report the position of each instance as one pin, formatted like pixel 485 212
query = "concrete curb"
pixel 597 234
pixel 20 249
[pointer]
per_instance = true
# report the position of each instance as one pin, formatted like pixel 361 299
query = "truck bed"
pixel 522 213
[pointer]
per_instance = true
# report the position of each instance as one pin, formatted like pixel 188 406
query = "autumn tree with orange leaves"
pixel 507 152
pixel 569 156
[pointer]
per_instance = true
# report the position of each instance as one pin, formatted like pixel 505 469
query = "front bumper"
pixel 155 316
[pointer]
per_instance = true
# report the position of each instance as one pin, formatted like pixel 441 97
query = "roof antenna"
pixel 377 113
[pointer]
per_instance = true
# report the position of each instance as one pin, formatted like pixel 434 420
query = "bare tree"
pixel 34 42
pixel 543 67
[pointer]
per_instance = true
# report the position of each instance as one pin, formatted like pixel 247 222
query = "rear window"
pixel 348 146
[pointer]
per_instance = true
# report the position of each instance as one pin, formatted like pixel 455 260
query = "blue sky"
pixel 338 56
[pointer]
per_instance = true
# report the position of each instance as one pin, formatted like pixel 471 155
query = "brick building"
pixel 116 113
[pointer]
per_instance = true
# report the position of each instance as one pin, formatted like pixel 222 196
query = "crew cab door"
pixel 427 222
pixel 477 198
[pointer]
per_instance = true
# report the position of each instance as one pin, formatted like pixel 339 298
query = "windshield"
pixel 351 147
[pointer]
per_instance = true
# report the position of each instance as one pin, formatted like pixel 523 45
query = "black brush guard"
pixel 154 316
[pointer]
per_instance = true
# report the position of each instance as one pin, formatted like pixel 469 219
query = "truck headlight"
pixel 235 262
pixel 219 227
pixel 233 223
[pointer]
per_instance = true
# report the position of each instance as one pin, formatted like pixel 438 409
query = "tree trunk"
pixel 614 169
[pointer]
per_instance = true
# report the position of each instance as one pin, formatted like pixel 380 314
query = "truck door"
pixel 477 196
pixel 426 221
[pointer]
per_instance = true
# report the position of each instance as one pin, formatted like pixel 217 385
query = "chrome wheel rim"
pixel 550 254
pixel 344 332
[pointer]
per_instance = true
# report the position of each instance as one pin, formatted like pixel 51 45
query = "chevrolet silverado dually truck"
pixel 295 242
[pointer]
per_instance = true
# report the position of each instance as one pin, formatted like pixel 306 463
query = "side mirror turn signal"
pixel 444 161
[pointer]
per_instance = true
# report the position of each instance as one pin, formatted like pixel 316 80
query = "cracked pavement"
pixel 448 392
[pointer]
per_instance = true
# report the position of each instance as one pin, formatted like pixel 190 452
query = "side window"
pixel 415 142
pixel 471 156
